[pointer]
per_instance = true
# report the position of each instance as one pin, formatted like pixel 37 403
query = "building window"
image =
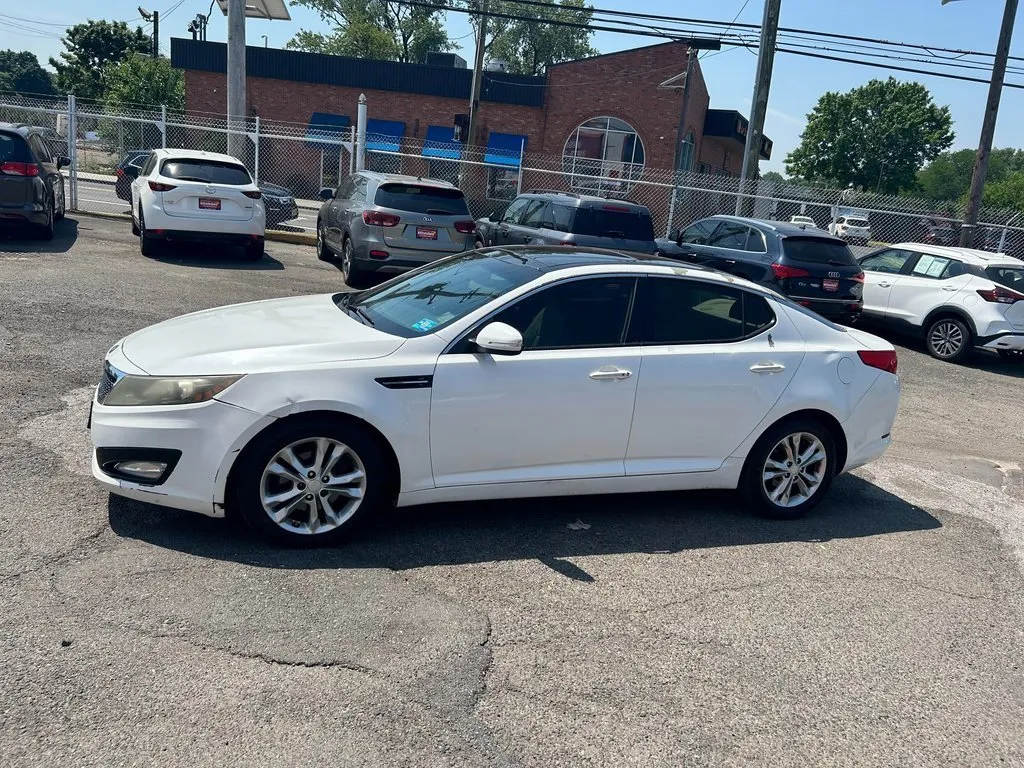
pixel 603 155
pixel 502 183
pixel 704 168
pixel 686 153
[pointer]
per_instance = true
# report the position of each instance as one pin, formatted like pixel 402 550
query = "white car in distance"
pixel 853 229
pixel 497 373
pixel 805 221
pixel 956 299
pixel 182 196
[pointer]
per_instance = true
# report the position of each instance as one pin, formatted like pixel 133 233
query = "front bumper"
pixel 207 436
pixel 278 213
pixel 1011 342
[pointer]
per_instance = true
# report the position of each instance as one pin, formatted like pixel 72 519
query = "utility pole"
pixel 759 104
pixel 478 76
pixel 691 57
pixel 236 78
pixel 156 34
pixel 988 126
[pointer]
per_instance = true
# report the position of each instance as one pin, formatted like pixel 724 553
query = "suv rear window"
pixel 610 221
pixel 814 250
pixel 1011 277
pixel 209 171
pixel 857 222
pixel 415 198
pixel 13 149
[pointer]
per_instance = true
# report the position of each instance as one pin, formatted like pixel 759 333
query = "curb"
pixel 295 238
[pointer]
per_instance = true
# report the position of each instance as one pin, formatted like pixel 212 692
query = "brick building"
pixel 594 121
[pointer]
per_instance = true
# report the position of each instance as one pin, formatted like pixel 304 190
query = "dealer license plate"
pixel 426 233
pixel 830 285
pixel 209 203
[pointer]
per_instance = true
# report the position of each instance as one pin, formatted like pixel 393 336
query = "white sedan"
pixel 493 374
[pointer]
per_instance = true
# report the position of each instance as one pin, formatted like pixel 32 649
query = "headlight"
pixel 167 390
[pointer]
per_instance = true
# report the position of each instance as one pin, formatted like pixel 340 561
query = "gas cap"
pixel 845 370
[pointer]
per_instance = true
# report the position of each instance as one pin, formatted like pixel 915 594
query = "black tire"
pixel 753 482
pixel 45 231
pixel 478 244
pixel 323 250
pixel 147 245
pixel 254 251
pixel 247 479
pixel 354 276
pixel 59 213
pixel 949 339
pixel 135 227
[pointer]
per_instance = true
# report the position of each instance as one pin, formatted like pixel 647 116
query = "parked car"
pixel 852 229
pixel 566 218
pixel 184 196
pixel 31 184
pixel 1010 244
pixel 382 222
pixel 956 299
pixel 939 235
pixel 512 372
pixel 808 265
pixel 279 203
pixel 806 221
pixel 127 171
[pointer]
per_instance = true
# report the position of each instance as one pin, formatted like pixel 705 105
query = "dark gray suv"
pixel 31 184
pixel 565 218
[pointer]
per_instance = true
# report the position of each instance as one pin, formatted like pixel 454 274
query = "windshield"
pixel 1011 277
pixel 431 297
pixel 857 222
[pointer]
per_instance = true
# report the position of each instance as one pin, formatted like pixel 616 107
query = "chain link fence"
pixel 293 162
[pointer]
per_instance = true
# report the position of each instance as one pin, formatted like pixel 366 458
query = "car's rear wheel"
pixel 354 276
pixel 310 481
pixel 45 231
pixel 949 339
pixel 789 470
pixel 323 250
pixel 254 250
pixel 147 245
pixel 63 207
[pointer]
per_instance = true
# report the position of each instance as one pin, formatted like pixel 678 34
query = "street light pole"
pixel 236 77
pixel 988 125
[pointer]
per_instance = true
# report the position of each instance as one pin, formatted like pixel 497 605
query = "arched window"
pixel 603 156
pixel 686 153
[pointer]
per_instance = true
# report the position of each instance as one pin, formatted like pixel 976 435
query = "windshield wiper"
pixel 193 178
pixel 360 314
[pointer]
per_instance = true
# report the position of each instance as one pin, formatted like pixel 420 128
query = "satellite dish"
pixel 261 9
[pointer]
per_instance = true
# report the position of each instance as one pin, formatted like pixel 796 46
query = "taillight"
pixel 883 360
pixel 783 272
pixel 1001 295
pixel 120 172
pixel 858 278
pixel 254 194
pixel 156 186
pixel 20 169
pixel 376 218
pixel 465 227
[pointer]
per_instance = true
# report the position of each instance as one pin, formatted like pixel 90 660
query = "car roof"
pixel 19 128
pixel 405 179
pixel 578 198
pixel 966 255
pixel 781 228
pixel 194 154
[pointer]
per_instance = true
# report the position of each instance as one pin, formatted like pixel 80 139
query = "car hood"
pixel 256 337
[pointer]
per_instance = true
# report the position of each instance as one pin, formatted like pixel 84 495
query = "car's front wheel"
pixel 310 481
pixel 789 469
pixel 949 339
pixel 323 250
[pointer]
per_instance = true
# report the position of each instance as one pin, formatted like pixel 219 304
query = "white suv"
pixel 184 196
pixel 956 298
pixel 853 229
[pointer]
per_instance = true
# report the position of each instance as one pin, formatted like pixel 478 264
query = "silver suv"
pixel 382 222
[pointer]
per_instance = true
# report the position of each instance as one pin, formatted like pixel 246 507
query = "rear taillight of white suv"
pixel 1000 295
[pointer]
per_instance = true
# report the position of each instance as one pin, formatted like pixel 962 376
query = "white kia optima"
pixel 492 374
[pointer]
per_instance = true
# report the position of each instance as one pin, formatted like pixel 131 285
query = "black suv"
pixel 544 217
pixel 812 267
pixel 31 184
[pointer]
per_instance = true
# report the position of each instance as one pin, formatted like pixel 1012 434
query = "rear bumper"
pixel 869 428
pixel 186 236
pixel 399 259
pixel 841 311
pixel 16 215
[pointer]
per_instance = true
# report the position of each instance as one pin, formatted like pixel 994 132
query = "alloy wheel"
pixel 313 486
pixel 795 469
pixel 946 338
pixel 346 259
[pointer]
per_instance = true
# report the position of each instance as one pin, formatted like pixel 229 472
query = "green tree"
pixel 874 137
pixel 375 29
pixel 1005 194
pixel 89 48
pixel 529 44
pixel 21 71
pixel 143 80
pixel 775 176
pixel 948 176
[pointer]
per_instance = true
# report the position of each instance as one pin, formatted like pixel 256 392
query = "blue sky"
pixel 797 84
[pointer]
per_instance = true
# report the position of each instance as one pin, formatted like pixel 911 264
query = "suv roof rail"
pixel 553 192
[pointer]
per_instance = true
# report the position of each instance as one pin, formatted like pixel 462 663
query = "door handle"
pixel 950 288
pixel 767 368
pixel 885 285
pixel 610 374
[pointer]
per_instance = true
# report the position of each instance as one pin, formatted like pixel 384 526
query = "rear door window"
pixel 534 216
pixel 614 221
pixel 931 266
pixel 207 171
pixel 561 217
pixel 418 198
pixel 13 149
pixel 814 250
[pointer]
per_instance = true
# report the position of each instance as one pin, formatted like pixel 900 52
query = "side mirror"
pixel 63 161
pixel 679 239
pixel 132 171
pixel 499 339
pixel 674 234
pixel 497 215
pixel 326 193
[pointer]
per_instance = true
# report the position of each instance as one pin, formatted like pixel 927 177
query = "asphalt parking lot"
pixel 885 629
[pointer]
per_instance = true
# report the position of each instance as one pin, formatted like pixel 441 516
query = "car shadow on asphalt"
pixel 213 257
pixel 548 530
pixel 23 240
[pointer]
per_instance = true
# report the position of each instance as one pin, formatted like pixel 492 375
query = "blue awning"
pixel 504 149
pixel 384 135
pixel 326 129
pixel 440 142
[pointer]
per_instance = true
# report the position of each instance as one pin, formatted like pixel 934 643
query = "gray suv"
pixel 564 218
pixel 31 184
pixel 381 222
